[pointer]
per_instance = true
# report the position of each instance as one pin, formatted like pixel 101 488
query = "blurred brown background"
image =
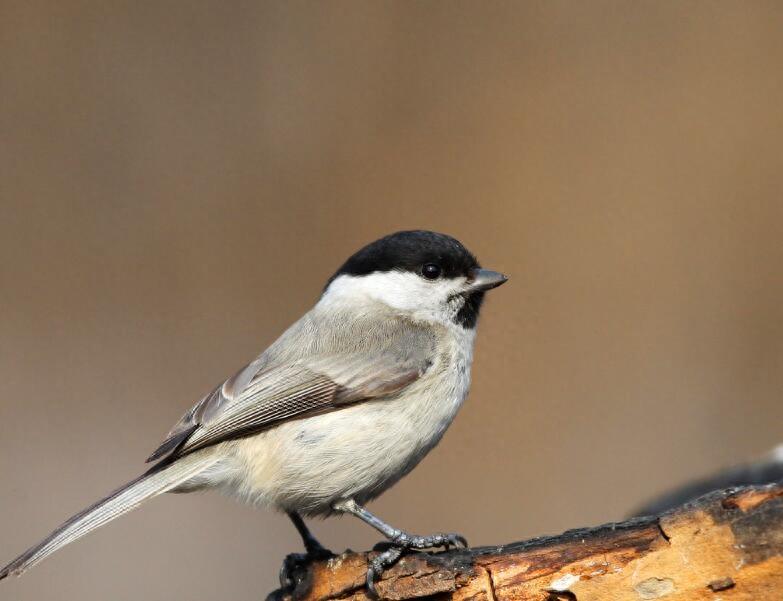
pixel 179 179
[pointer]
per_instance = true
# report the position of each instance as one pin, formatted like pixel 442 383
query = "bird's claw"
pixel 295 564
pixel 378 564
pixel 446 540
pixel 393 550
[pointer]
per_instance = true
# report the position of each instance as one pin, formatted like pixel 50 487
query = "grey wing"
pixel 368 361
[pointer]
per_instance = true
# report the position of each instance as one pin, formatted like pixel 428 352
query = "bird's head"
pixel 426 275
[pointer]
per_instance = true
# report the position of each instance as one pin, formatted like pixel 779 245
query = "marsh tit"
pixel 345 403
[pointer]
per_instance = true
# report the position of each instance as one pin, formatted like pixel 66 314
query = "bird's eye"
pixel 431 271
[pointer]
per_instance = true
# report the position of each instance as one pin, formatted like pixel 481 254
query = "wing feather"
pixel 301 375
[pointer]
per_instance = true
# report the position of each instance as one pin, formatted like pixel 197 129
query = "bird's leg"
pixel 311 544
pixel 400 541
pixel 397 537
pixel 294 562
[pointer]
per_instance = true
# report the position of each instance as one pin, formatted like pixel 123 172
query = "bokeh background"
pixel 177 181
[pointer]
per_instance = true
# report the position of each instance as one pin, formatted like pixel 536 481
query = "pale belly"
pixel 356 452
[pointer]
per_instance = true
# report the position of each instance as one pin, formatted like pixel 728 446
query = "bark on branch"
pixel 727 545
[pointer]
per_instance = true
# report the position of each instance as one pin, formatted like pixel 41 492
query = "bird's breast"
pixel 357 451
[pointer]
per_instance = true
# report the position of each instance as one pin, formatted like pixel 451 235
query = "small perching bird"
pixel 345 403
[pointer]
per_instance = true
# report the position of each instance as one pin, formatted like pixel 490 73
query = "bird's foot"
pixel 412 541
pixel 392 550
pixel 295 565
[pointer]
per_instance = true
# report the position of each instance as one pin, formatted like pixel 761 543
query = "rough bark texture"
pixel 725 546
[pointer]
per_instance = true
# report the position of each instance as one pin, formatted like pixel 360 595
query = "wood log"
pixel 725 546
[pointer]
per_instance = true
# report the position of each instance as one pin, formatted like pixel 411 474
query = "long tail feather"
pixel 159 479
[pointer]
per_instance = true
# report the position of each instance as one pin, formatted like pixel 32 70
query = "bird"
pixel 339 408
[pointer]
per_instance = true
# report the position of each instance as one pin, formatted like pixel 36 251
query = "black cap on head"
pixel 410 251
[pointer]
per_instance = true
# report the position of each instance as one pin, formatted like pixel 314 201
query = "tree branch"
pixel 727 545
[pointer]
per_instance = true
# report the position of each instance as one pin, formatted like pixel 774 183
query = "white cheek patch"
pixel 401 290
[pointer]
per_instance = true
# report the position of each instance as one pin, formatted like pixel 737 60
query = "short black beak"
pixel 485 279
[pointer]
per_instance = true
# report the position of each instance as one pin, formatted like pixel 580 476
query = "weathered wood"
pixel 725 546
